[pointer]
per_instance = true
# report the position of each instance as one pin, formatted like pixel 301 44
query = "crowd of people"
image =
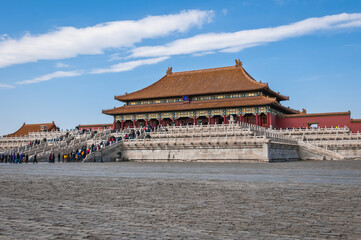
pixel 76 155
pixel 17 158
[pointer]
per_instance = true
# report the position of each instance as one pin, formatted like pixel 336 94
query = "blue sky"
pixel 64 61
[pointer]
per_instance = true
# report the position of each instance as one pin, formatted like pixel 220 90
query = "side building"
pixel 215 96
pixel 26 129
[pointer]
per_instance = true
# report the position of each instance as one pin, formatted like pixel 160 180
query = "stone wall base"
pixel 252 152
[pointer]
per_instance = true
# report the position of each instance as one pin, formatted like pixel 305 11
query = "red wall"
pixel 323 121
pixel 273 121
pixel 356 127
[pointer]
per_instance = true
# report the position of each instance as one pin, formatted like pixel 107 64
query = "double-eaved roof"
pixel 224 80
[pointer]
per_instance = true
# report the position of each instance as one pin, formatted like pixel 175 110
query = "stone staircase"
pixel 314 144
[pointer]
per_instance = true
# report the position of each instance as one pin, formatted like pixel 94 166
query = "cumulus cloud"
pixel 5 86
pixel 67 42
pixel 49 76
pixel 127 66
pixel 236 41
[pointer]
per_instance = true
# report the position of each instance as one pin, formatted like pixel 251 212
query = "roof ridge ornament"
pixel 169 71
pixel 238 63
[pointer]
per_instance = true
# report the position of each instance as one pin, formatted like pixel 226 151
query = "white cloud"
pixel 49 76
pixel 61 65
pixel 5 86
pixel 236 41
pixel 126 66
pixel 67 42
pixel 115 57
pixel 4 37
pixel 120 67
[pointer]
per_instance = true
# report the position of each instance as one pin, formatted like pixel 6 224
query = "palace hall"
pixel 216 96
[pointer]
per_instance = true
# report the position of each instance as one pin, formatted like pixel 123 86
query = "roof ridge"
pixel 248 76
pixel 202 70
pixel 37 123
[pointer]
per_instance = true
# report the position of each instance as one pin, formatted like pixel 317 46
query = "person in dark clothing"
pixel 17 159
pixel 35 160
pixel 58 157
pixel 26 158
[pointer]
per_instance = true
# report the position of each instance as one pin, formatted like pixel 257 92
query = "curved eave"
pixel 279 96
pixel 198 105
pixel 109 111
pixel 285 110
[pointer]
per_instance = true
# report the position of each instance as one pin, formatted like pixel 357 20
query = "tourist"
pixel 58 157
pixel 26 158
pixel 34 159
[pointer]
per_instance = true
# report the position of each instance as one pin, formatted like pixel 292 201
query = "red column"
pixel 122 124
pixel 260 119
pixel 257 119
pixel 134 124
pixel 160 121
pixel 146 122
pixel 268 120
pixel 209 120
pixel 224 119
pixel 114 125
pixel 194 120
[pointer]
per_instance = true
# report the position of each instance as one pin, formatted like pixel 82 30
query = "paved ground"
pixel 299 200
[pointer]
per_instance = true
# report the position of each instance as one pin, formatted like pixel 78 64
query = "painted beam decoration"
pixel 199 113
pixel 195 98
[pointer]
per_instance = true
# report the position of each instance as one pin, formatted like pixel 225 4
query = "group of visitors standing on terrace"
pixel 71 156
pixel 17 158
